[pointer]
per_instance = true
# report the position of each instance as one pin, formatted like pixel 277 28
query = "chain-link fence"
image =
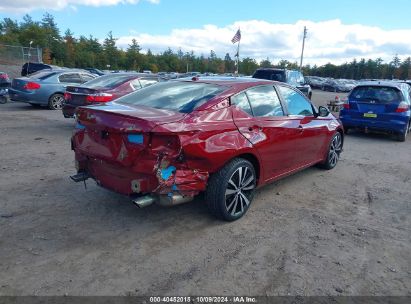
pixel 13 57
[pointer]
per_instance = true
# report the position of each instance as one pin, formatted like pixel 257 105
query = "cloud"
pixel 327 41
pixel 26 6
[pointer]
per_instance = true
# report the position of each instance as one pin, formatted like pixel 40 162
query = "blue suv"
pixel 380 106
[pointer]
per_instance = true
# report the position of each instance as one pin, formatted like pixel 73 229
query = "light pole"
pixel 29 55
pixel 302 50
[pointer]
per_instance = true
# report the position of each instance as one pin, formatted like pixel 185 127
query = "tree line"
pixel 69 51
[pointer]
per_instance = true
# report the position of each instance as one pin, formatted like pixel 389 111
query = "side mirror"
pixel 323 111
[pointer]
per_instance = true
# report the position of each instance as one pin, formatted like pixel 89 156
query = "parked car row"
pixel 330 84
pixel 47 87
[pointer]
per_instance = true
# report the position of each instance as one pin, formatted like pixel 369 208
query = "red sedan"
pixel 223 136
pixel 104 89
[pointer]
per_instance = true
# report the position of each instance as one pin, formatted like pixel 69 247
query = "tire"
pixel 334 150
pixel 403 136
pixel 56 101
pixel 3 99
pixel 230 191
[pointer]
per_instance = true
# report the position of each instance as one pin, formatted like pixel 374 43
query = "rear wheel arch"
pixel 342 135
pixel 253 160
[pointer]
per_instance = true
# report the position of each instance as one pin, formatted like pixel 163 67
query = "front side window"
pixel 180 96
pixel 264 101
pixel 296 103
pixel 292 78
pixel 241 101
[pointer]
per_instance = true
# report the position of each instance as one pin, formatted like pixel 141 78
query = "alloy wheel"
pixel 239 190
pixel 57 102
pixel 335 150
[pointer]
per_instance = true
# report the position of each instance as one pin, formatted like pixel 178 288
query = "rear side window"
pixel 135 84
pixel 241 101
pixel 147 82
pixel 87 77
pixel 376 94
pixel 264 101
pixel 183 97
pixel 70 78
pixel 296 103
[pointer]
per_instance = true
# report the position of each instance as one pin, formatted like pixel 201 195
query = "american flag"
pixel 237 37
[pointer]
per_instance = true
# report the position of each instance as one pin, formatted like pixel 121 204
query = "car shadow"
pixel 371 135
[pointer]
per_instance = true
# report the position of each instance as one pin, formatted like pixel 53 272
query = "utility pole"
pixel 302 51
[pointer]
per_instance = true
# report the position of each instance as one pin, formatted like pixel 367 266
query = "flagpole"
pixel 238 55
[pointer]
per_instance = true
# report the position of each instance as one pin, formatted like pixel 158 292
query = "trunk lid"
pixel 19 83
pixel 117 132
pixel 78 95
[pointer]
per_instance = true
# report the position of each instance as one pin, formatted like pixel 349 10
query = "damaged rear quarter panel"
pixel 209 139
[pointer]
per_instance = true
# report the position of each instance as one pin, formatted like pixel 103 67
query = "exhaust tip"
pixel 143 201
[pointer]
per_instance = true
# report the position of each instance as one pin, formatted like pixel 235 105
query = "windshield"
pixel 183 97
pixel 376 94
pixel 109 81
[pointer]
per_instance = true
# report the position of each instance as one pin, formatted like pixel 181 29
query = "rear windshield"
pixel 376 94
pixel 178 96
pixel 109 81
pixel 270 75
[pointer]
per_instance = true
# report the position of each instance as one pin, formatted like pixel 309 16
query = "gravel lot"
pixel 339 232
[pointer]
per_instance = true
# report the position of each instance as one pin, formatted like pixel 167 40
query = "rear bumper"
pixel 18 97
pixel 147 176
pixel 394 125
pixel 68 110
pixel 25 97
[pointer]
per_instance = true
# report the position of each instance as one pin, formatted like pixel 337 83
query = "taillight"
pixel 31 86
pixel 346 103
pixel 99 97
pixel 402 107
pixel 67 96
